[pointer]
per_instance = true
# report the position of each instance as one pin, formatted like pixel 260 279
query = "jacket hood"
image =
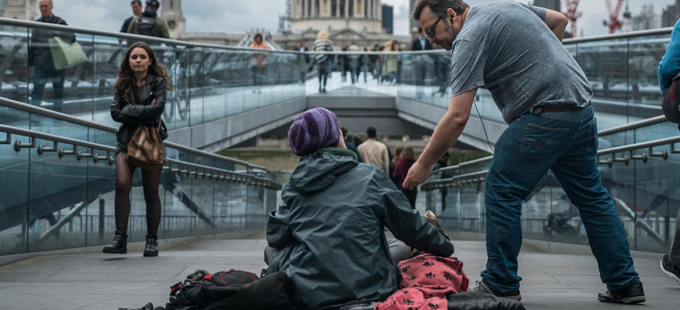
pixel 317 171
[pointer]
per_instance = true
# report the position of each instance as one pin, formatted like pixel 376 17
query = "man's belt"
pixel 553 108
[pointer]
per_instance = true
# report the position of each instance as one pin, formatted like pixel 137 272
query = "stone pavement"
pixel 100 281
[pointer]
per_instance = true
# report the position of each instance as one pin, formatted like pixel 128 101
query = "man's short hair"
pixel 439 7
pixel 370 132
pixel 136 1
pixel 344 132
pixel 420 29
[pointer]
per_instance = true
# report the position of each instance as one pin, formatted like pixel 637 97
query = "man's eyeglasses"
pixel 430 32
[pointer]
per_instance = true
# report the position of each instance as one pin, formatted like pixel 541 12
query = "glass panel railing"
pixel 57 196
pixel 210 82
pixel 642 189
pixel 622 72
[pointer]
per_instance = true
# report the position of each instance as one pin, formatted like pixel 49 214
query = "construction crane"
pixel 613 23
pixel 573 15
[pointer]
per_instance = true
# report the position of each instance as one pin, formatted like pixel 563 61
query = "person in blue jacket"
pixel 668 69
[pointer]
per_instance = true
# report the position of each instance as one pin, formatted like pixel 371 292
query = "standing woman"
pixel 138 100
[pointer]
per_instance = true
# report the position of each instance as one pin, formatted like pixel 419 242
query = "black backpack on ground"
pixel 234 289
pixel 146 26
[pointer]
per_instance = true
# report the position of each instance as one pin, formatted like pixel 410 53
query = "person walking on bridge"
pixel 148 23
pixel 41 60
pixel 514 50
pixel 136 11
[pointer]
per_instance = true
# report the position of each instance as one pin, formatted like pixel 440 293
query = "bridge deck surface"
pixel 100 281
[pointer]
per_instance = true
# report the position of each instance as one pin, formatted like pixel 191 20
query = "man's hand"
pixel 416 175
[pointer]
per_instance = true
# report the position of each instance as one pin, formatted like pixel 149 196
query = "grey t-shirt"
pixel 507 48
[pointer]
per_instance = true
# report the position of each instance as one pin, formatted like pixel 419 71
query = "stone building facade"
pixel 357 15
pixel 21 9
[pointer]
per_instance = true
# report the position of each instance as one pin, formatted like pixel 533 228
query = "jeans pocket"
pixel 593 142
pixel 539 142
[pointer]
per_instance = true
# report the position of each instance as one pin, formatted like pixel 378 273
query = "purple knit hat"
pixel 312 130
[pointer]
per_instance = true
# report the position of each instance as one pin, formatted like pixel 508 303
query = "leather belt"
pixel 552 108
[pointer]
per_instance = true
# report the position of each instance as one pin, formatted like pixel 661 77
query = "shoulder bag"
pixel 146 149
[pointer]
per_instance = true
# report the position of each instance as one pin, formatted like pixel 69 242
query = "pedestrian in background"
pixel 258 62
pixel 148 23
pixel 324 62
pixel 401 170
pixel 419 62
pixel 139 97
pixel 136 11
pixel 354 61
pixel 40 57
pixel 375 153
pixel 302 60
pixel 389 62
pixel 350 146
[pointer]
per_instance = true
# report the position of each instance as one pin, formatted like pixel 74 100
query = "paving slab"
pixel 101 281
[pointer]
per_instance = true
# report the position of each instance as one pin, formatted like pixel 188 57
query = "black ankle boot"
pixel 118 245
pixel 151 248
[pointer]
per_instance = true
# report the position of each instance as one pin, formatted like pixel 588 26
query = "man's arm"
pixel 445 135
pixel 557 22
pixel 163 31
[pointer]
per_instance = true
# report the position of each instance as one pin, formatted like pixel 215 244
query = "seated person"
pixel 328 235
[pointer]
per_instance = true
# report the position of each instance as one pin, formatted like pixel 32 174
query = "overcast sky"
pixel 241 15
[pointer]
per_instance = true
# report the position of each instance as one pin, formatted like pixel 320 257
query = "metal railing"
pixel 32 24
pixel 478 177
pixel 74 120
pixel 632 34
pixel 186 168
pixel 614 130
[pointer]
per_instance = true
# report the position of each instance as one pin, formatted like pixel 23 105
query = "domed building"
pixel 357 15
pixel 347 21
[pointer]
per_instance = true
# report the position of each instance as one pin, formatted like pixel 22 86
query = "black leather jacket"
pixel 142 113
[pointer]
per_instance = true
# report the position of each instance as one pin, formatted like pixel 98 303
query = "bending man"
pixel 514 51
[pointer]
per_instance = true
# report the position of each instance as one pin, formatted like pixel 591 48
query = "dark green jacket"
pixel 330 231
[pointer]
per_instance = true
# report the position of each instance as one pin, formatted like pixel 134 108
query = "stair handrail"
pixel 606 132
pixel 13 104
pixel 630 149
pixel 214 172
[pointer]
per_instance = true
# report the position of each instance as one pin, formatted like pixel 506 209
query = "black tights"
pixel 151 179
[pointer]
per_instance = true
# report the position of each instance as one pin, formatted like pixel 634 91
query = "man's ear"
pixel 451 14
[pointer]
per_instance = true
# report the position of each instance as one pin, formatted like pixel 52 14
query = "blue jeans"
pixel 566 143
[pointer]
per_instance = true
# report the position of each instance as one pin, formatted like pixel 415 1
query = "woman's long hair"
pixel 126 77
